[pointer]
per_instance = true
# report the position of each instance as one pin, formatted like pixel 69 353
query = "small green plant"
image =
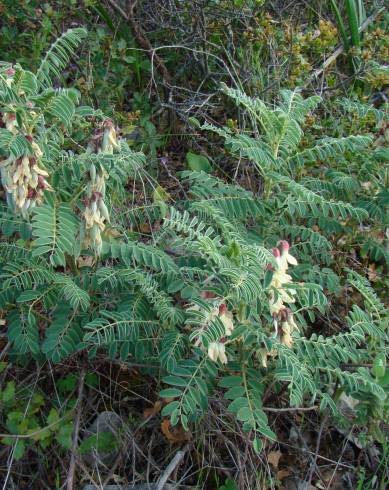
pixel 29 421
pixel 228 485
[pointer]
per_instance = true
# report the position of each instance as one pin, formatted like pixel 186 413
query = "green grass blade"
pixel 341 25
pixel 352 14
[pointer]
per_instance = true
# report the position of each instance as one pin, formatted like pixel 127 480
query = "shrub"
pixel 211 287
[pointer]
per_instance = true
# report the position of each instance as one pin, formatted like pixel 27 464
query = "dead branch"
pixel 340 50
pixel 142 40
pixel 290 409
pixel 171 467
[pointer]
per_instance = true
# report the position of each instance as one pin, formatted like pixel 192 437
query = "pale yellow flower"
pixel 275 305
pixel 226 318
pixel 285 255
pixel 287 295
pixel 263 357
pixel 217 351
pixel 287 328
pixel 286 338
pixel 280 277
pixel 11 124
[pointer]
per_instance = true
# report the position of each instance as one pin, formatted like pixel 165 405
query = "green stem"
pixel 353 22
pixel 268 188
pixel 341 26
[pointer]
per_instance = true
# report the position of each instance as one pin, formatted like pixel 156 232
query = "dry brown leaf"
pixel 274 457
pixel 167 400
pixel 145 227
pixel 372 273
pixel 174 434
pixel 282 474
pixel 151 411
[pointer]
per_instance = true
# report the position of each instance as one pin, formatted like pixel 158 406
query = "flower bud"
pixel 92 173
pixel 217 350
pixel 222 308
pixel 284 245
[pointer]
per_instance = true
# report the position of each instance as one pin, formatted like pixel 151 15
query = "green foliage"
pixel 198 163
pixel 195 291
pixel 26 416
pixel 54 231
pixel 103 441
pixel 59 54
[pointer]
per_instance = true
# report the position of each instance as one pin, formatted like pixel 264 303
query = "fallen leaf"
pixel 174 434
pixel 151 411
pixel 282 474
pixel 145 227
pixel 372 273
pixel 274 457
pixel 167 400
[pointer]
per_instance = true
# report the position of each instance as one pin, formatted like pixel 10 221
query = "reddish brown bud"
pixel 284 245
pixel 96 196
pixel 107 124
pixel 276 252
pixel 41 182
pixel 207 294
pixel 29 138
pixel 222 308
pixel 31 193
pixel 283 315
pixel 10 72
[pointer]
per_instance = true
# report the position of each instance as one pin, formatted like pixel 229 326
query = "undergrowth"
pixel 220 293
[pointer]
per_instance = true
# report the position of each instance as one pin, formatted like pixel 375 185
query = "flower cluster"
pixel 217 350
pixel 279 295
pixel 104 139
pixel 23 178
pixel 96 213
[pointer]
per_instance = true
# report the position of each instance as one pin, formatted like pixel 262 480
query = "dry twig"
pixel 171 467
pixel 72 465
pixel 142 40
